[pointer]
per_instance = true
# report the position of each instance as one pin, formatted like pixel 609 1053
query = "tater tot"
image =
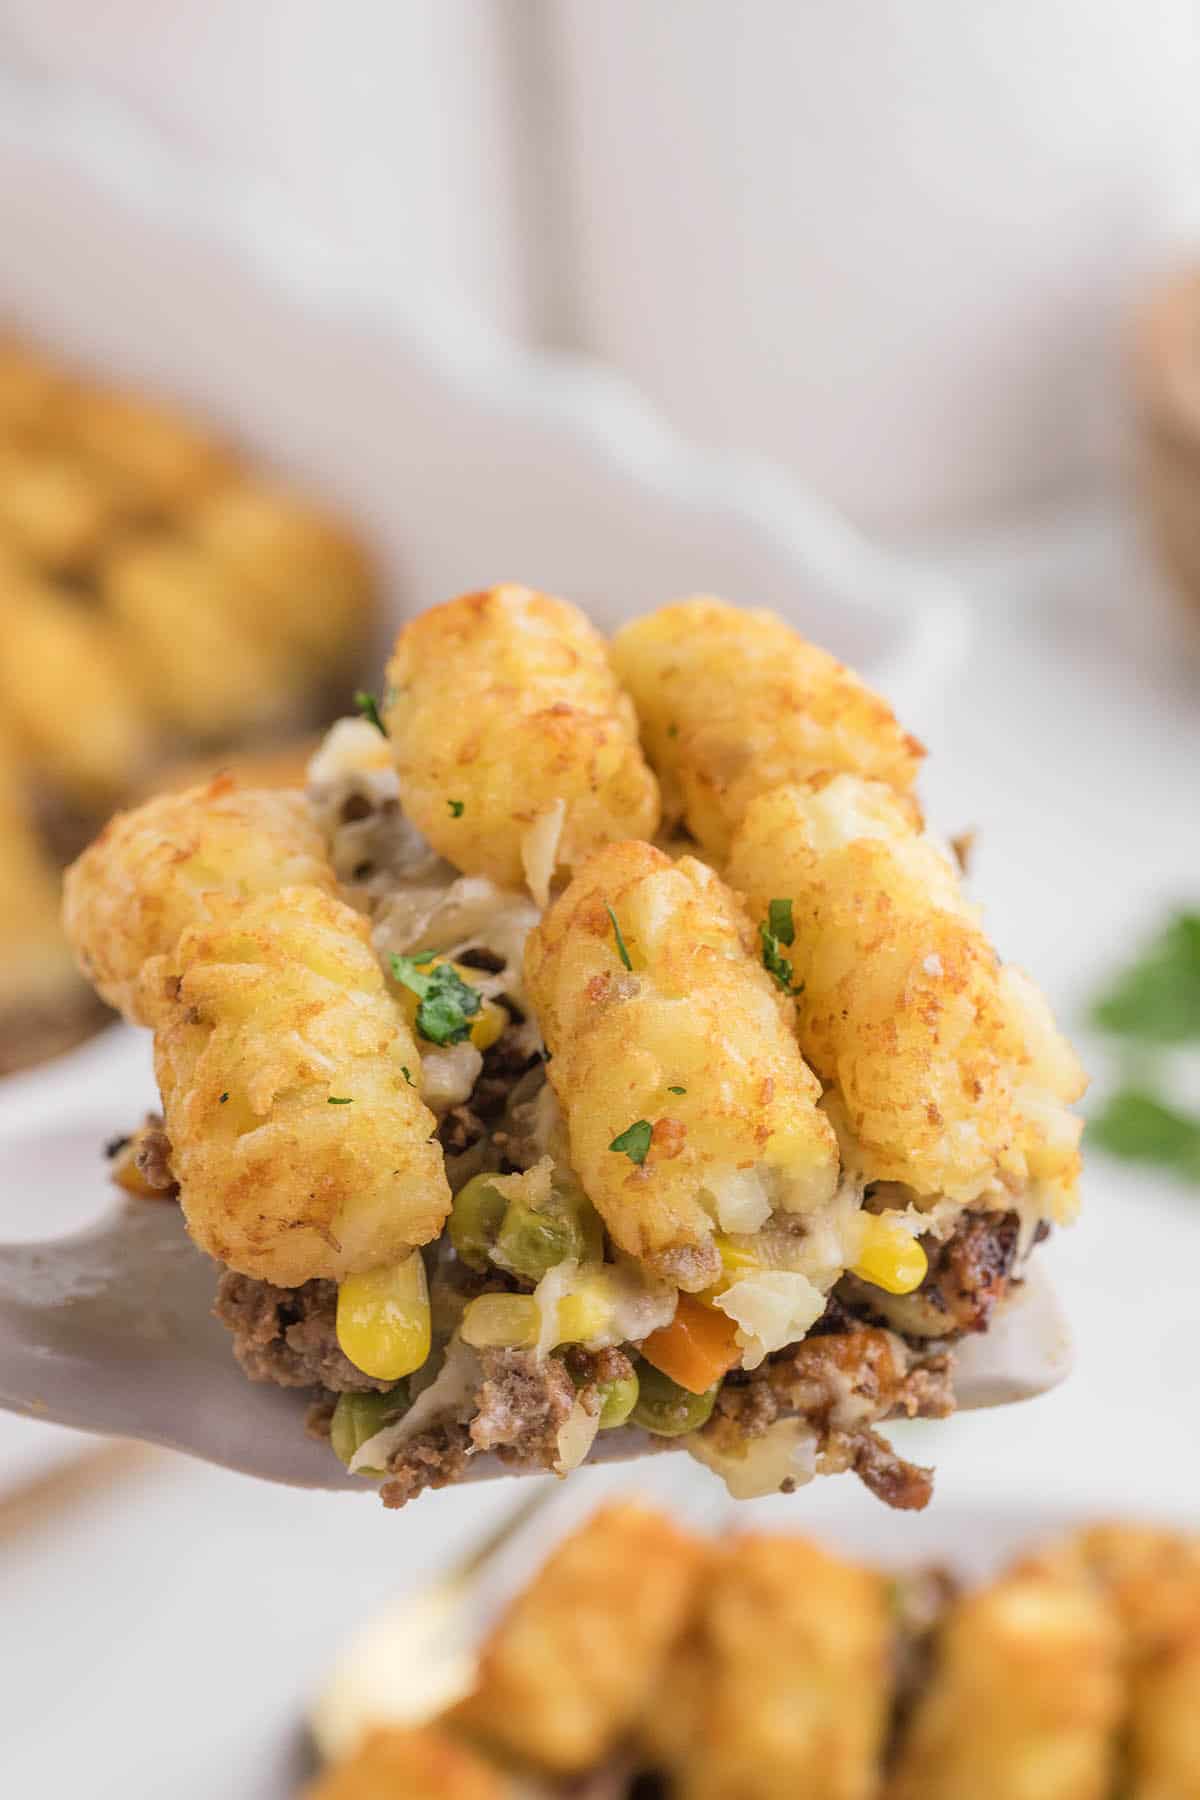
pixel 786 1679
pixel 1024 1700
pixel 733 702
pixel 152 872
pixel 65 694
pixel 566 1672
pixel 690 1046
pixel 157 459
pixel 411 1765
pixel 56 510
pixel 44 1006
pixel 948 1074
pixel 312 585
pixel 186 624
pixel 29 386
pixel 517 752
pixel 291 1091
pixel 1152 1578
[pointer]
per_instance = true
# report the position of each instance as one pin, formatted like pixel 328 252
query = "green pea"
pixel 357 1417
pixel 667 1409
pixel 531 1242
pixel 617 1401
pixel 475 1220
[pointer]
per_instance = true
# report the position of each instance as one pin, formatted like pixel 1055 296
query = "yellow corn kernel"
pixel 501 1322
pixel 586 1312
pixel 489 1022
pixel 890 1257
pixel 383 1319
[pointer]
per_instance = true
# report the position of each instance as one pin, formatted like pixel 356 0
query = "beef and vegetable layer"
pixel 765 1668
pixel 600 1042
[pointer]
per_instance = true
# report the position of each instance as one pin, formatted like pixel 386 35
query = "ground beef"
pixel 903 1485
pixel 459 1130
pixel 842 1383
pixel 288 1335
pixel 433 1459
pixel 522 1403
pixel 504 1063
pixel 517 1411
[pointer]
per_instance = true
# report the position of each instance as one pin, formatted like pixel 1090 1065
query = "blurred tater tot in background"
pixel 164 613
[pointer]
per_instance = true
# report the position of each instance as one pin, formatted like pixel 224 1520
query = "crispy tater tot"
pixel 65 694
pixel 156 458
pixel 290 1087
pixel 948 1073
pixel 732 702
pixel 56 510
pixel 401 1764
pixel 44 1006
pixel 516 750
pixel 186 624
pixel 311 583
pixel 1025 1697
pixel 664 1026
pixel 152 872
pixel 567 1671
pixel 29 385
pixel 1152 1578
pixel 783 1684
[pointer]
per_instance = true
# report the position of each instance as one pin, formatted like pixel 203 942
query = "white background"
pixel 890 243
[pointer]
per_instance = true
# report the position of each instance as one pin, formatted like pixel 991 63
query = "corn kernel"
pixel 890 1257
pixel 501 1322
pixel 383 1321
pixel 586 1312
pixel 489 1022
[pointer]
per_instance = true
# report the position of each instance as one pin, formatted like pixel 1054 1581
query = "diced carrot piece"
pixel 696 1348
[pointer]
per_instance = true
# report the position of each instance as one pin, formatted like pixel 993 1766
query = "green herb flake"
pixel 224 1098
pixel 340 1100
pixel 635 1141
pixel 448 1003
pixel 672 731
pixel 368 706
pixel 622 952
pixel 404 1070
pixel 779 918
pixel 775 962
pixel 676 1090
pixel 1157 998
pixel 456 808
pixel 1140 1128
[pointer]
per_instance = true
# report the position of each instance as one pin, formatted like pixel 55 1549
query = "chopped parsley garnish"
pixel 368 706
pixel 635 1142
pixel 676 1090
pixel 456 808
pixel 622 952
pixel 224 1097
pixel 776 929
pixel 340 1100
pixel 404 1070
pixel 1157 998
pixel 672 731
pixel 779 918
pixel 1140 1128
pixel 448 1003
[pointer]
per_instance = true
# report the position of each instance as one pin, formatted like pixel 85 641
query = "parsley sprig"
pixel 448 1003
pixel 634 1141
pixel 622 952
pixel 777 929
pixel 1151 1008
pixel 368 706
